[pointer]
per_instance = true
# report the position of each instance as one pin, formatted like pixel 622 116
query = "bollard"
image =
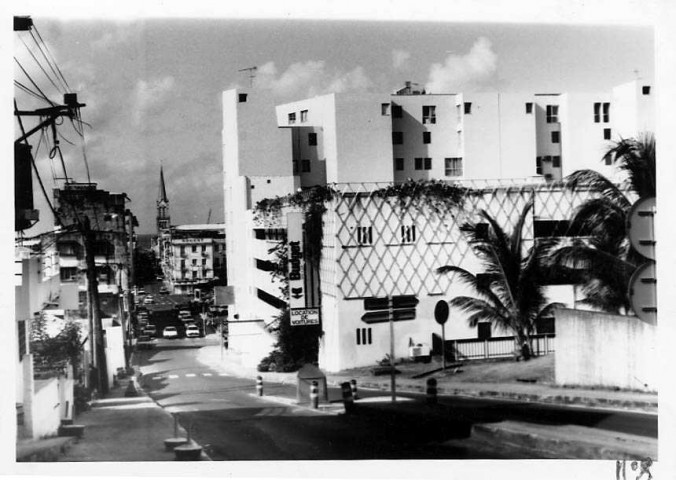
pixel 353 386
pixel 259 385
pixel 347 397
pixel 314 395
pixel 431 391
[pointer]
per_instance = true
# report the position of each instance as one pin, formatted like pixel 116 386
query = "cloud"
pixel 309 78
pixel 400 58
pixel 462 71
pixel 149 95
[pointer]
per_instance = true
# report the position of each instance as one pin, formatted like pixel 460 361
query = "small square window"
pixel 397 111
pixel 529 108
pixel 418 163
pixel 292 117
pixel 242 97
pixel 427 137
pixel 597 112
pixel 407 233
pixel 538 166
pixel 384 109
pixel 429 114
pixel 428 164
pixel 552 112
pixel 556 137
pixel 312 139
pixel 305 165
pixel 606 112
pixel 556 161
pixel 399 164
pixel 364 235
pixel 607 133
pixel 468 108
pixel 397 138
pixel 646 89
pixel 453 167
pixel 303 116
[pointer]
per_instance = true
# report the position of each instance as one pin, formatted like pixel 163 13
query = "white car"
pixel 170 332
pixel 148 300
pixel 192 331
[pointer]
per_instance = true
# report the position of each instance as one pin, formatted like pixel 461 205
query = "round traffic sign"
pixel 441 311
pixel 643 292
pixel 641 227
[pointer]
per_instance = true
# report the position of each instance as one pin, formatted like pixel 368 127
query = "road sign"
pixel 643 293
pixel 441 311
pixel 304 316
pixel 641 227
pixel 382 316
pixel 398 301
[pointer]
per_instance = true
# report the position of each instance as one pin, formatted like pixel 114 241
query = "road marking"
pixel 222 374
pixel 189 374
pixel 207 374
pixel 158 378
pixel 173 376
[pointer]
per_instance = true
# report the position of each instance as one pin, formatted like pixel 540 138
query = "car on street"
pixel 148 300
pixel 192 331
pixel 170 332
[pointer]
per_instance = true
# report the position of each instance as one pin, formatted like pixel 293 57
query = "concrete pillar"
pixel 28 395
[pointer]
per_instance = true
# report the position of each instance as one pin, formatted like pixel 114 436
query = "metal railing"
pixel 498 347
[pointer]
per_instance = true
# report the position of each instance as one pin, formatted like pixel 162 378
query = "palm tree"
pixel 510 294
pixel 601 250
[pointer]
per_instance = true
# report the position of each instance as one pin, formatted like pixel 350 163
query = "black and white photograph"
pixel 333 240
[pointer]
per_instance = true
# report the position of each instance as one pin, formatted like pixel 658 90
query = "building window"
pixel 194 248
pixel 384 109
pixel 552 113
pixel 429 114
pixel 418 163
pixel 556 137
pixel 398 163
pixel 303 116
pixel 364 235
pixel 538 166
pixel 292 117
pixel 194 261
pixel 646 90
pixel 68 274
pixel 397 111
pixel 484 330
pixel 312 139
pixel 453 167
pixel 427 137
pixel 556 161
pixel 597 112
pixel 397 138
pixel 364 336
pixel 468 108
pixel 204 261
pixel 428 164
pixel 407 233
pixel 423 163
pixel 606 133
pixel 182 264
pixel 606 112
pixel 194 274
pixel 242 97
pixel 529 108
pixel 305 166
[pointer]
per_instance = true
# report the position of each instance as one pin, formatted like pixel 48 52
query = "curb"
pixel 323 408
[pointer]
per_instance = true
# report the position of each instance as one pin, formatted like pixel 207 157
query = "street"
pixel 232 423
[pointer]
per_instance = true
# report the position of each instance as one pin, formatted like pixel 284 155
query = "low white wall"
pixel 114 350
pixel 599 349
pixel 250 340
pixel 46 410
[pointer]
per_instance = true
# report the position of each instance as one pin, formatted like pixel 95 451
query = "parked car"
pixel 192 331
pixel 148 300
pixel 170 332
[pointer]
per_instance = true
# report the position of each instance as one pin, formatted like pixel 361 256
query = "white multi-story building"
pixel 373 248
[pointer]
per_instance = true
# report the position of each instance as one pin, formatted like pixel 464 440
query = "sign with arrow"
pixel 296 259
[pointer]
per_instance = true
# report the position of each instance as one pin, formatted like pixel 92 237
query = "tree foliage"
pixel 146 266
pixel 59 350
pixel 295 346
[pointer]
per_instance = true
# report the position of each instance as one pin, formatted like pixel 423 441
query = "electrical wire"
pixel 21 86
pixel 58 88
pixel 50 53
pixel 50 63
pixel 34 84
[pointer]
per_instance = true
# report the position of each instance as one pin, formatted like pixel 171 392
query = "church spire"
pixel 163 219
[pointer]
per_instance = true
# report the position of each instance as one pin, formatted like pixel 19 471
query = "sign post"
pixel 390 309
pixel 441 315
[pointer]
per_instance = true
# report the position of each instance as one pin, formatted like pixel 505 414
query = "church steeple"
pixel 163 219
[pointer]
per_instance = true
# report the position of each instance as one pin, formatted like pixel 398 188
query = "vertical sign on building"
pixel 300 315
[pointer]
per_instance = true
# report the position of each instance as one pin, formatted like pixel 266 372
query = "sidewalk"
pixel 447 385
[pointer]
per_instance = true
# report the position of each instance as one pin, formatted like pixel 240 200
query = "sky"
pixel 152 85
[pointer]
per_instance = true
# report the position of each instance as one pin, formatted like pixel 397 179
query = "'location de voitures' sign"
pixel 300 314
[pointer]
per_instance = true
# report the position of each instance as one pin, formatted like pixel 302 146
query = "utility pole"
pixel 96 328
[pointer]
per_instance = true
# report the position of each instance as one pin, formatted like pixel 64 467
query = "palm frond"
pixel 479 310
pixel 597 182
pixel 636 157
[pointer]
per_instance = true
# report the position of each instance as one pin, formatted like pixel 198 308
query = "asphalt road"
pixel 232 423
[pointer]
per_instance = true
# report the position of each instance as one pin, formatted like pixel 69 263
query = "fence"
pixel 498 347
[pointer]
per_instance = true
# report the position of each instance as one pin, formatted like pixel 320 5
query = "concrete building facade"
pixel 361 143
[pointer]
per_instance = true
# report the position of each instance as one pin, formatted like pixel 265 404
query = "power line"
pixel 50 53
pixel 27 90
pixel 58 88
pixel 34 84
